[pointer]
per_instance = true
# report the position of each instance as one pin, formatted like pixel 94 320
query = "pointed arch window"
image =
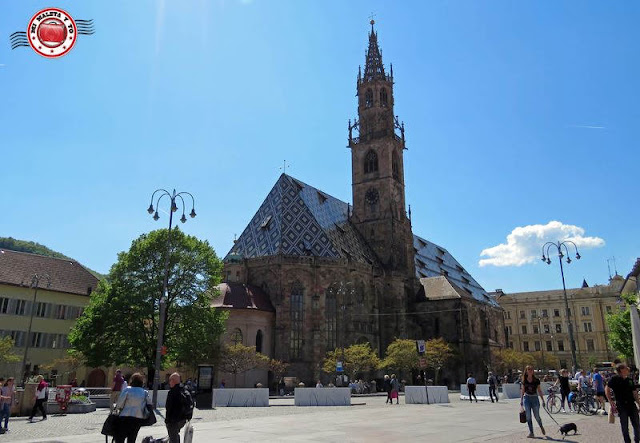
pixel 236 336
pixel 383 97
pixel 296 316
pixel 395 165
pixel 331 316
pixel 259 341
pixel 368 98
pixel 371 162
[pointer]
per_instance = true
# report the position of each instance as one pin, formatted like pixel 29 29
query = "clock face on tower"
pixel 371 196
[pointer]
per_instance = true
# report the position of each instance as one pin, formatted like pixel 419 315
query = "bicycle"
pixel 587 404
pixel 553 400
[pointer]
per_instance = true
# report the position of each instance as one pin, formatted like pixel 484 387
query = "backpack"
pixel 186 403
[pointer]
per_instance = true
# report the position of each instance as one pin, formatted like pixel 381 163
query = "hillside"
pixel 12 244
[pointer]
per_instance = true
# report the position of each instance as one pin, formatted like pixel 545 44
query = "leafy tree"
pixel 620 329
pixel 278 368
pixel 401 355
pixel 238 358
pixel 544 360
pixel 6 350
pixel 120 325
pixel 67 364
pixel 356 359
pixel 437 352
pixel 508 359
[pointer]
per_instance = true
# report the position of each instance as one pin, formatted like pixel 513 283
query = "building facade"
pixel 337 273
pixel 63 290
pixel 537 321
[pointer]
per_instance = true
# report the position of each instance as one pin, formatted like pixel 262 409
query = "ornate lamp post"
pixel 559 247
pixel 35 283
pixel 173 198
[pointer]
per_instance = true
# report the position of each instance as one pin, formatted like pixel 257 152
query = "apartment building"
pixel 537 321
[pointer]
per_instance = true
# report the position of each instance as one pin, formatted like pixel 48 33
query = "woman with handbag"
pixel 529 399
pixel 135 408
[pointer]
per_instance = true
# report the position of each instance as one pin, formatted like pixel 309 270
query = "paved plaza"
pixel 369 419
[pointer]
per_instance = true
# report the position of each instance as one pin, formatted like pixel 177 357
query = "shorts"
pixel 600 394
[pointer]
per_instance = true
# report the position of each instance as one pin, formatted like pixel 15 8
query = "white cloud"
pixel 524 243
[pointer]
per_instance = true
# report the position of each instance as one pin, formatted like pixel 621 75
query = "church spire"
pixel 373 68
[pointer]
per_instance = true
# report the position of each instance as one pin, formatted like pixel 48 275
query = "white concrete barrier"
pixel 511 390
pixel 162 397
pixel 418 395
pixel 482 392
pixel 323 397
pixel 249 397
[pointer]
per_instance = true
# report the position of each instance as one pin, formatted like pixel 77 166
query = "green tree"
pixel 6 350
pixel 278 368
pixel 620 329
pixel 120 325
pixel 357 359
pixel 437 353
pixel 238 358
pixel 508 359
pixel 402 356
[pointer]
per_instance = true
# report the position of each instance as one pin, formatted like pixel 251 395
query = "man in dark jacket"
pixel 174 419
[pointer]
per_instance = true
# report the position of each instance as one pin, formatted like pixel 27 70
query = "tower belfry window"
pixel 395 165
pixel 371 162
pixel 368 98
pixel 383 97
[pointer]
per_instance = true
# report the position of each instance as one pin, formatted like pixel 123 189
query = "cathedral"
pixel 311 273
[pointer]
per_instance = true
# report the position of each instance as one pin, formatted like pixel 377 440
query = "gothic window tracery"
pixel 331 315
pixel 383 97
pixel 296 316
pixel 395 165
pixel 371 162
pixel 236 337
pixel 368 98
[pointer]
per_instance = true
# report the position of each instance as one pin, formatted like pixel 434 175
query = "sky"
pixel 521 123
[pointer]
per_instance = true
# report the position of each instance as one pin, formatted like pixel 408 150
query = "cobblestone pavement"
pixel 369 419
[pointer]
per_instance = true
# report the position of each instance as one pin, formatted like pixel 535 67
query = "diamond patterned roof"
pixel 298 219
pixel 435 261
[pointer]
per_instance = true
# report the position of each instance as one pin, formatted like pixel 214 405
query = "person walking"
pixel 625 403
pixel 387 387
pixel 598 386
pixel 529 399
pixel 493 386
pixel 41 397
pixel 565 390
pixel 175 419
pixel 116 388
pixel 471 386
pixel 132 404
pixel 395 388
pixel 7 399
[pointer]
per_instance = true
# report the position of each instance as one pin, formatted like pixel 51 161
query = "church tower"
pixel 377 166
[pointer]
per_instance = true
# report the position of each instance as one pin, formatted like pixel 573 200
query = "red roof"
pixel 241 296
pixel 18 268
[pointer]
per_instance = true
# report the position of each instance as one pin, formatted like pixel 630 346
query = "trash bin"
pixel 63 396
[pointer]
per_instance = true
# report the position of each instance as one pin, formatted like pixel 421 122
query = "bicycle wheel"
pixel 553 404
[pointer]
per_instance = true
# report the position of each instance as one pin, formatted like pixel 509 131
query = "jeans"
pixel 629 413
pixel 5 413
pixel 492 392
pixel 174 431
pixel 532 404
pixel 40 405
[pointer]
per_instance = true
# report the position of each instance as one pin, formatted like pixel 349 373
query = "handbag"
pixel 110 424
pixel 150 416
pixel 523 416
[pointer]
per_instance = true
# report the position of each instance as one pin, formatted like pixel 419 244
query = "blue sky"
pixel 517 114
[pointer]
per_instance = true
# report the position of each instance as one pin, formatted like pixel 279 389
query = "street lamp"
pixel 559 246
pixel 173 197
pixel 35 283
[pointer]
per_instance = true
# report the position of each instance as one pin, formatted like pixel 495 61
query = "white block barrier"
pixel 249 397
pixel 162 397
pixel 418 395
pixel 511 390
pixel 482 392
pixel 323 397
